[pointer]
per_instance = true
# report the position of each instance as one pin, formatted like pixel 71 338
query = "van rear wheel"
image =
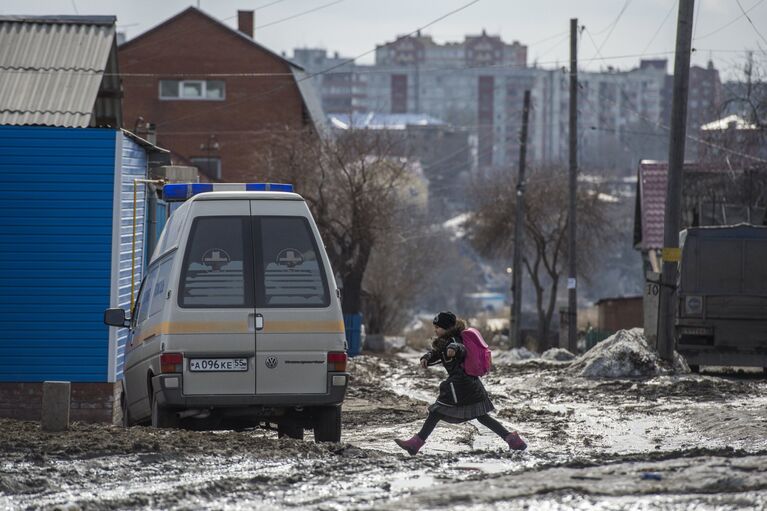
pixel 327 424
pixel 162 417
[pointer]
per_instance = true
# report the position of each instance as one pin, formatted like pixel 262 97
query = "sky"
pixel 617 32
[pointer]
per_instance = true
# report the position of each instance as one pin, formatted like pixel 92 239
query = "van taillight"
pixel 171 363
pixel 337 361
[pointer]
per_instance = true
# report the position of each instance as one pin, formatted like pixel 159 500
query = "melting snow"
pixel 625 354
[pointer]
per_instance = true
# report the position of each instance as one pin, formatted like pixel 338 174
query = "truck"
pixel 721 316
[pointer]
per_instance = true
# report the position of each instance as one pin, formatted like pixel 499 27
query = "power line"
pixel 730 22
pixel 615 24
pixel 662 23
pixel 750 22
pixel 294 16
pixel 357 70
pixel 697 16
pixel 263 6
pixel 312 75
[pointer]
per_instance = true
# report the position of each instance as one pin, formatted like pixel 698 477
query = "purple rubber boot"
pixel 412 446
pixel 515 442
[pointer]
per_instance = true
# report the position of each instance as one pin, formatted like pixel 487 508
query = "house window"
pixel 211 167
pixel 193 89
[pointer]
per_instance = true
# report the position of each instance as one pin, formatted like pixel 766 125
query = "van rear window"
pixel 289 268
pixel 215 273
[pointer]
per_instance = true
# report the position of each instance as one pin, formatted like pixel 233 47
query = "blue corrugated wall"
pixel 56 207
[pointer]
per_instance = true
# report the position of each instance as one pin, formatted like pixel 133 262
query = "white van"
pixel 238 317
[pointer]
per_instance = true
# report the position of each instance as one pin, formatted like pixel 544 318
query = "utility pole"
pixel 572 296
pixel 515 332
pixel 678 128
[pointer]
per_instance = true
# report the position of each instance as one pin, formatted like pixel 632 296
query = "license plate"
pixel 218 364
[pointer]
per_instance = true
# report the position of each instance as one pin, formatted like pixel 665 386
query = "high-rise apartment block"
pixel 479 83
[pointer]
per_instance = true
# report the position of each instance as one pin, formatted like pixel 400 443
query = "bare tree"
pixel 419 267
pixel 352 185
pixel 545 246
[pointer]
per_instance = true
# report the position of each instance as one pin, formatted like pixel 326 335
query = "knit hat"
pixel 445 319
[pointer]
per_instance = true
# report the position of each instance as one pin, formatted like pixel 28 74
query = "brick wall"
pixel 191 46
pixel 90 402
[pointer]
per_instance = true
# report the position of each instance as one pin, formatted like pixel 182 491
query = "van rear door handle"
pixel 259 322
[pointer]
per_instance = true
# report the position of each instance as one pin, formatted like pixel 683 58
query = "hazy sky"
pixel 353 27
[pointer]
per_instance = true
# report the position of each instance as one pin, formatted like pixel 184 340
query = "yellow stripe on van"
pixel 241 327
pixel 301 327
pixel 196 327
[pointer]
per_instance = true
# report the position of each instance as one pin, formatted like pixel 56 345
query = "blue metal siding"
pixel 56 202
pixel 133 165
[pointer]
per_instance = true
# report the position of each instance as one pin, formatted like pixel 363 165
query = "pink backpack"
pixel 478 357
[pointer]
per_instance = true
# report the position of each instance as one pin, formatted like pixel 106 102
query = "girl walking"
pixel 461 397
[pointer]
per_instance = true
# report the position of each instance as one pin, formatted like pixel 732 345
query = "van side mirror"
pixel 116 317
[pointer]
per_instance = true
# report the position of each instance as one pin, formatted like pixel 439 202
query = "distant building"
pixel 478 84
pixel 213 94
pixel 443 152
pixel 732 140
pixel 341 87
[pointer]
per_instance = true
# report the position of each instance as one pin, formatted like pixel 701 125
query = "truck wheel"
pixel 290 429
pixel 327 424
pixel 162 417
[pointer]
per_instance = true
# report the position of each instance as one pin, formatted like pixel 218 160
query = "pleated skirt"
pixel 456 414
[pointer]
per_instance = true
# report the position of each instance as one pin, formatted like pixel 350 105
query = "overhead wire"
pixel 298 15
pixel 615 23
pixel 750 22
pixel 309 76
pixel 662 23
pixel 729 22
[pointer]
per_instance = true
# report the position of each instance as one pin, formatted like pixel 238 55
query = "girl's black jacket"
pixel 459 388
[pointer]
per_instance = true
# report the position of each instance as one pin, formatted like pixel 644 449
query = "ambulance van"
pixel 238 318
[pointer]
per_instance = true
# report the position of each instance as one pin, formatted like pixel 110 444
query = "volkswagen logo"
pixel 271 362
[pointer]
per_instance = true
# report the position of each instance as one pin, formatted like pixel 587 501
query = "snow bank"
pixel 557 354
pixel 513 355
pixel 625 354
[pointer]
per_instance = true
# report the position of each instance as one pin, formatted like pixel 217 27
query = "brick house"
pixel 213 95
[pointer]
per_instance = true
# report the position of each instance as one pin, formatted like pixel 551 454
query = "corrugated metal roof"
pixel 51 68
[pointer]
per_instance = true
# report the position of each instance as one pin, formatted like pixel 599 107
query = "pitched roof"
pixel 221 24
pixel 51 68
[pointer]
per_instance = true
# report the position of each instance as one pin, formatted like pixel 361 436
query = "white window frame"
pixel 180 87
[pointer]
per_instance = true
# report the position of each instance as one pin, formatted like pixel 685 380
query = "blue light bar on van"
pixel 183 191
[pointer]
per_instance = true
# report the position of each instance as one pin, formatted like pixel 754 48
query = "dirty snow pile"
pixel 513 355
pixel 557 355
pixel 625 354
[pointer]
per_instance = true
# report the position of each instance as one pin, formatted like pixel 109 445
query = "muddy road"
pixel 666 442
